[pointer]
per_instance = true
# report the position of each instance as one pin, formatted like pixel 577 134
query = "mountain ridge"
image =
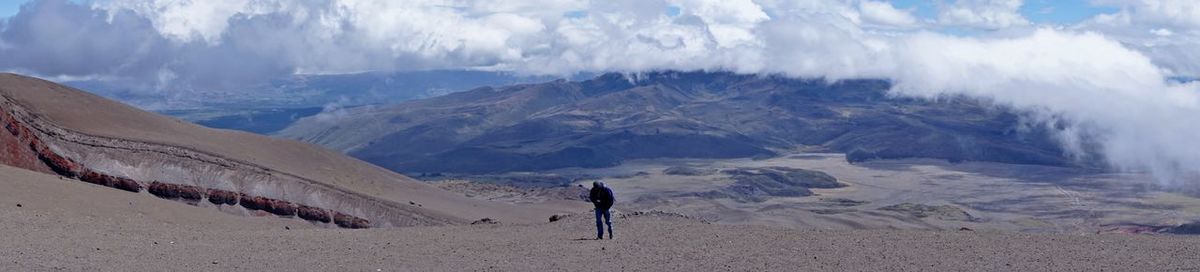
pixel 603 121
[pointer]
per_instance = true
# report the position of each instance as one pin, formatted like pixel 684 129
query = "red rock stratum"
pixel 55 129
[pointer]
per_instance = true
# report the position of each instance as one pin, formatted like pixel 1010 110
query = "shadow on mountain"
pixel 611 118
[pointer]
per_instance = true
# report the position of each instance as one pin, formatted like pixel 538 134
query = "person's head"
pixel 597 184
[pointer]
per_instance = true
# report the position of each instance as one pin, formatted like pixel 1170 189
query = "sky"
pixel 1039 11
pixel 1102 73
pixel 9 7
pixel 205 44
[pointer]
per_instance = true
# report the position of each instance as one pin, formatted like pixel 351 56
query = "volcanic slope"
pixel 612 118
pixel 56 129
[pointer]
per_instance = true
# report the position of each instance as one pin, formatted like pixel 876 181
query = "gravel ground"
pixel 69 225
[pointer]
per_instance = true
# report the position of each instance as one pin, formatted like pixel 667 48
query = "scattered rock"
pixel 965 229
pixel 560 216
pixel 487 221
pixel 655 213
pixel 19 205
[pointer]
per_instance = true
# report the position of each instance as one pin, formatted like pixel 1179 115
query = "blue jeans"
pixel 600 225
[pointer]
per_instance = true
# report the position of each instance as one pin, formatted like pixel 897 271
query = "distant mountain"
pixel 306 91
pixel 255 120
pixel 267 107
pixel 611 118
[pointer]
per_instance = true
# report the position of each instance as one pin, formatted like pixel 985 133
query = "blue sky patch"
pixel 1061 12
pixel 10 7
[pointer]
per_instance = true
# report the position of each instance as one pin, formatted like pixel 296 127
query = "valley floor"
pixel 68 225
pixel 1005 197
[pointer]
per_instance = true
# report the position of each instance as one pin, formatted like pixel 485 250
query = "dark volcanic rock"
pixel 557 217
pixel 111 181
pixel 350 221
pixel 127 184
pixel 486 221
pixel 273 206
pixel 15 151
pixel 779 181
pixel 254 202
pixel 313 214
pixel 280 207
pixel 220 197
pixel 943 212
pixel 687 171
pixel 758 184
pixel 1189 229
pixel 174 191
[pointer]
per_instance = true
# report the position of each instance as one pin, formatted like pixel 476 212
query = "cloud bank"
pixel 1104 83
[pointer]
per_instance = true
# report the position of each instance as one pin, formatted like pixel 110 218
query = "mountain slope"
pixel 612 118
pixel 57 129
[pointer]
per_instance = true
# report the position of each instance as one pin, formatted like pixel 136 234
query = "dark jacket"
pixel 602 197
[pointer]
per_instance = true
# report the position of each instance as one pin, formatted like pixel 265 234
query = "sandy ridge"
pixel 118 140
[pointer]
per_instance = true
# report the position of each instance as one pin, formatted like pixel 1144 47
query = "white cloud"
pixel 1166 30
pixel 1162 32
pixel 1168 13
pixel 187 20
pixel 1108 93
pixel 985 14
pixel 1106 79
pixel 883 13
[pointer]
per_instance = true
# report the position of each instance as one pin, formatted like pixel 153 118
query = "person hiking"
pixel 602 197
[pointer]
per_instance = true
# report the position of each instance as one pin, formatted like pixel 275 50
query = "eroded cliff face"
pixel 190 176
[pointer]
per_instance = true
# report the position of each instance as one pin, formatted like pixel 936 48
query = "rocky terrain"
pixel 613 118
pixel 58 130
